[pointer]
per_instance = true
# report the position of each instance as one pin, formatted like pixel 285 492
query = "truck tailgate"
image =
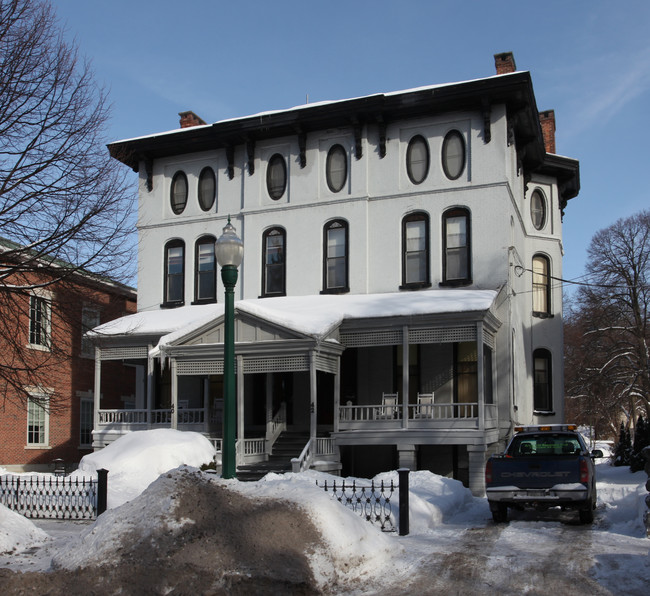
pixel 531 473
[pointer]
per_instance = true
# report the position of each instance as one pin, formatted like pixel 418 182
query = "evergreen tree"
pixel 641 440
pixel 623 448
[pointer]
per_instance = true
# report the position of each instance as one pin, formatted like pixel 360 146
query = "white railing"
pixel 378 412
pixel 372 412
pixel 217 443
pixel 443 411
pixel 161 416
pixel 325 446
pixel 122 417
pixel 303 461
pixel 191 416
pixel 276 426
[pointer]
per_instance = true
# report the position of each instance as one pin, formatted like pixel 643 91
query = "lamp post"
pixel 229 251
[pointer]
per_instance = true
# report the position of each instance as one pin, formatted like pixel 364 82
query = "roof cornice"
pixel 514 90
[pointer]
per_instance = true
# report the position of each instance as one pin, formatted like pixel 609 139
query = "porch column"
pixel 269 409
pixel 480 362
pixel 150 387
pixel 405 379
pixel 407 457
pixel 206 404
pixel 239 383
pixel 337 393
pixel 313 391
pixel 476 454
pixel 174 381
pixel 97 391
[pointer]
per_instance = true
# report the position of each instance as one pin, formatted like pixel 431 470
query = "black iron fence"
pixel 374 502
pixel 55 497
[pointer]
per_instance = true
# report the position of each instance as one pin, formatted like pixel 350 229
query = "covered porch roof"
pixel 313 318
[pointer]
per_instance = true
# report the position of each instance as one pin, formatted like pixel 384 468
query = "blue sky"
pixel 589 60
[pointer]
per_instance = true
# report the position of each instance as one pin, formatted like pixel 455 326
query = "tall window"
pixel 415 250
pixel 207 188
pixel 205 281
pixel 335 251
pixel 274 263
pixel 541 285
pixel 276 176
pixel 538 209
pixel 417 159
pixel 453 154
pixel 86 422
pixel 456 269
pixel 178 192
pixel 39 322
pixel 174 273
pixel 89 320
pixel 336 168
pixel 37 423
pixel 542 392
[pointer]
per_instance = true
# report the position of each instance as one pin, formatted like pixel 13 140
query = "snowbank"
pixel 17 532
pixel 136 459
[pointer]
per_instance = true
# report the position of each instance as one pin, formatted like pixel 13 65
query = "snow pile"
pixel 17 532
pixel 352 549
pixel 136 459
pixel 142 516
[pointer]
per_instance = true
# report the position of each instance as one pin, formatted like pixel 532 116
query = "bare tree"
pixel 65 205
pixel 614 313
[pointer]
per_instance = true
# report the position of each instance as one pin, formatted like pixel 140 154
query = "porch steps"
pixel 288 445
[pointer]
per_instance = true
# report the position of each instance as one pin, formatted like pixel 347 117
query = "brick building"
pixel 47 366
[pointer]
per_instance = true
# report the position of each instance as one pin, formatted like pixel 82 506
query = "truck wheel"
pixel 587 513
pixel 499 512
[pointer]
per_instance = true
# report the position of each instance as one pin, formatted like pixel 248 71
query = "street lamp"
pixel 229 250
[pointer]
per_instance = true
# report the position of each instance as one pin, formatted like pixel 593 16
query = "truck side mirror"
pixel 596 453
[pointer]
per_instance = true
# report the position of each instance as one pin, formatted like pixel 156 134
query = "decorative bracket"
pixel 487 131
pixel 302 145
pixel 358 149
pixel 148 168
pixel 230 156
pixel 382 138
pixel 250 152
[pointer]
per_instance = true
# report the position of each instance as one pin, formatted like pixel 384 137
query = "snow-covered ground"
pixel 452 540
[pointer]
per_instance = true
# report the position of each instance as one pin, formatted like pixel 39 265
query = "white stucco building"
pixel 396 303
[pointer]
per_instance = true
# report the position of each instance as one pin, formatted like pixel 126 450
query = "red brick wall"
pixel 66 373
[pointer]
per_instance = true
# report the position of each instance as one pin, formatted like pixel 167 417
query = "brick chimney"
pixel 547 120
pixel 189 118
pixel 505 63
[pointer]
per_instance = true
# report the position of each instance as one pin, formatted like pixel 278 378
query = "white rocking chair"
pixel 424 409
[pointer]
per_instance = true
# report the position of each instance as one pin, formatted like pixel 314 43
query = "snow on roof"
pixel 158 322
pixel 314 316
pixel 308 106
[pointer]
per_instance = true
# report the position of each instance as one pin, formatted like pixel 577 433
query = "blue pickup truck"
pixel 543 467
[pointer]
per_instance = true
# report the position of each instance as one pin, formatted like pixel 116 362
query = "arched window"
pixel 205 270
pixel 542 381
pixel 456 249
pixel 174 273
pixel 541 285
pixel 415 251
pixel 274 262
pixel 335 257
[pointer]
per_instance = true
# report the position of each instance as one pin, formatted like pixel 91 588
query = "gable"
pixel 248 329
